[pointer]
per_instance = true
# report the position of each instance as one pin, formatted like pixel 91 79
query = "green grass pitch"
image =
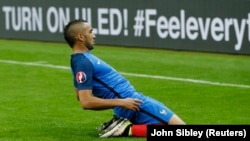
pixel 38 102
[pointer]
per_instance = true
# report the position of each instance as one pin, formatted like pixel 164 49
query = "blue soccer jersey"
pixel 90 72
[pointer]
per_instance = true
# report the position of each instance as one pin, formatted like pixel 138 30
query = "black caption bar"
pixel 198 132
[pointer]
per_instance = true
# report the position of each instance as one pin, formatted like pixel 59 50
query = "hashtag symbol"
pixel 139 19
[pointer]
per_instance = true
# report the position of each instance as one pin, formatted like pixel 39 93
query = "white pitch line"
pixel 44 64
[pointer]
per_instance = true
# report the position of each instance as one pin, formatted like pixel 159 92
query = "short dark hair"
pixel 69 33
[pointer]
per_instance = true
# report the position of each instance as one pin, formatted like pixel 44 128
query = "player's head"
pixel 79 31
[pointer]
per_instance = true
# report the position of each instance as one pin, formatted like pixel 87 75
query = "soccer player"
pixel 98 86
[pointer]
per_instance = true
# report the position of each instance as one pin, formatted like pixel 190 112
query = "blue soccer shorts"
pixel 151 112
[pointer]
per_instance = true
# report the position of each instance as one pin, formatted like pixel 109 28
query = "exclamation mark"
pixel 125 20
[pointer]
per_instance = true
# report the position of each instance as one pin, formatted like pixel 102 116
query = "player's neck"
pixel 77 49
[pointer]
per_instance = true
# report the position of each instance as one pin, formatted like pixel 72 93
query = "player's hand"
pixel 131 104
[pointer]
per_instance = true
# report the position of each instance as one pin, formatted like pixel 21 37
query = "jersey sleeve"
pixel 83 74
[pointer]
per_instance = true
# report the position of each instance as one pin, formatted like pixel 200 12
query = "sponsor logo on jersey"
pixel 80 77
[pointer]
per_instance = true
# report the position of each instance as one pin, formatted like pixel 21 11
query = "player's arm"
pixel 89 102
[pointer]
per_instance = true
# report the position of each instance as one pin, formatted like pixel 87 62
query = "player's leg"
pixel 155 112
pixel 176 120
pixel 125 127
pixel 151 112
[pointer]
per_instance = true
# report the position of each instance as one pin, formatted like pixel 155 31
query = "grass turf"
pixel 38 103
